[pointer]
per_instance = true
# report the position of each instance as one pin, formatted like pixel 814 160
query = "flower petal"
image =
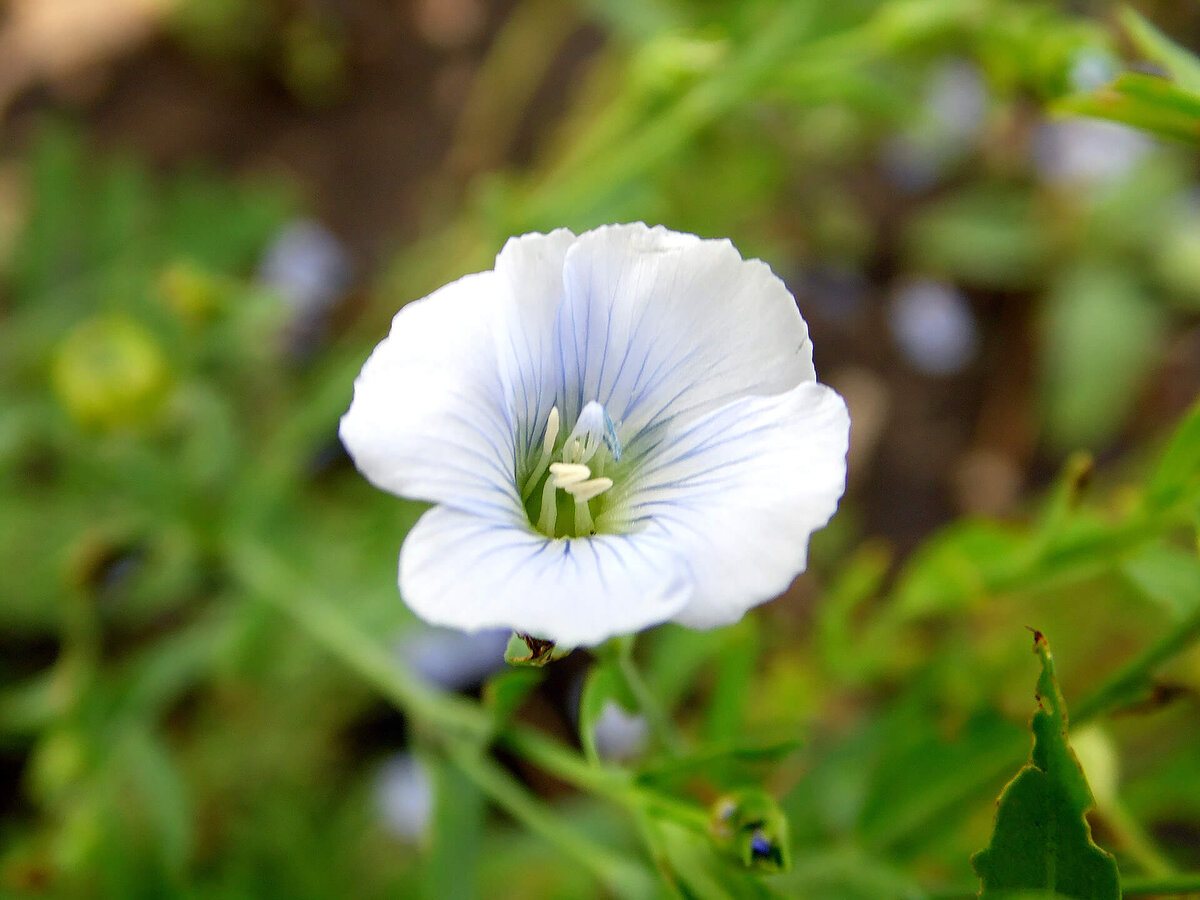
pixel 658 325
pixel 468 572
pixel 430 418
pixel 530 269
pixel 740 491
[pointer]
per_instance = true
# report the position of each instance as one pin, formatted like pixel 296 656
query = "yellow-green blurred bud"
pixel 192 292
pixel 109 372
pixel 58 763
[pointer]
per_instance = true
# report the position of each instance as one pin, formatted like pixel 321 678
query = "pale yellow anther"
pixel 566 474
pixel 552 423
pixel 584 491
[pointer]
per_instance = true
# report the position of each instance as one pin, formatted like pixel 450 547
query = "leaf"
pixel 1183 66
pixel 964 563
pixel 602 686
pixel 1099 338
pixel 1168 575
pixel 1042 841
pixel 1143 101
pixel 505 692
pixel 451 862
pixel 733 677
pixel 1177 474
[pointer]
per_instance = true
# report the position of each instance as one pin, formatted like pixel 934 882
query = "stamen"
pixel 565 474
pixel 583 519
pixel 549 516
pixel 552 423
pixel 584 491
pixel 535 475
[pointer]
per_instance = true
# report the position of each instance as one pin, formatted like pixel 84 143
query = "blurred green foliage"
pixel 197 595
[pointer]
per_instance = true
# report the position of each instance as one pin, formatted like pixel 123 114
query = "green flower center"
pixel 568 492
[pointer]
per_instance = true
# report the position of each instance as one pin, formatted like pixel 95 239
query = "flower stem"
pixel 623 878
pixel 271 581
pixel 668 735
pixel 465 726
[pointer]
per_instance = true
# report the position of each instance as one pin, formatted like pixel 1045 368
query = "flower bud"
pixel 110 373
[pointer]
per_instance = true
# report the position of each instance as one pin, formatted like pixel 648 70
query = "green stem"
pixel 623 878
pixel 272 582
pixel 1168 886
pixel 668 735
pixel 1132 679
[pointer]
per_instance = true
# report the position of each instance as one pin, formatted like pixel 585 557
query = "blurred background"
pixel 209 211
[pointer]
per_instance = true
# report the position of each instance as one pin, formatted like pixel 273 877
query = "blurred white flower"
pixel 617 429
pixel 404 794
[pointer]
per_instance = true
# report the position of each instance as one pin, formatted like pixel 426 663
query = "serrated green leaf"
pixel 1042 840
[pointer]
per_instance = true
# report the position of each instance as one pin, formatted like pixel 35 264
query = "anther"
pixel 583 491
pixel 566 474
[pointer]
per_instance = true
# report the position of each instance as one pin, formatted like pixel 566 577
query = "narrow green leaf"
pixel 1178 472
pixel 603 685
pixel 506 691
pixel 451 863
pixel 1167 575
pixel 1183 66
pixel 1100 336
pixel 1042 840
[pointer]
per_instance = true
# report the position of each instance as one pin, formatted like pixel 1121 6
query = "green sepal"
pixel 526 650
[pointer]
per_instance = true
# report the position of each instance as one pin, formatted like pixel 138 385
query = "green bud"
pixel 194 294
pixel 59 762
pixel 749 825
pixel 110 373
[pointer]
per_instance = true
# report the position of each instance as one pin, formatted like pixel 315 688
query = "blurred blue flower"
pixel 620 735
pixel 307 266
pixel 933 327
pixel 404 795
pixel 617 429
pixel 452 659
pixel 1083 152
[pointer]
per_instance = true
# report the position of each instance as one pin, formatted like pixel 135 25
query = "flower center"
pixel 567 492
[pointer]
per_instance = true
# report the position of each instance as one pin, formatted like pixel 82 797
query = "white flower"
pixel 617 430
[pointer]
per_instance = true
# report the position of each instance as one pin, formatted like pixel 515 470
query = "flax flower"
pixel 616 429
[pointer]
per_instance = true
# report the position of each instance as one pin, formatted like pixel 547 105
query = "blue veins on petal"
pixel 616 429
